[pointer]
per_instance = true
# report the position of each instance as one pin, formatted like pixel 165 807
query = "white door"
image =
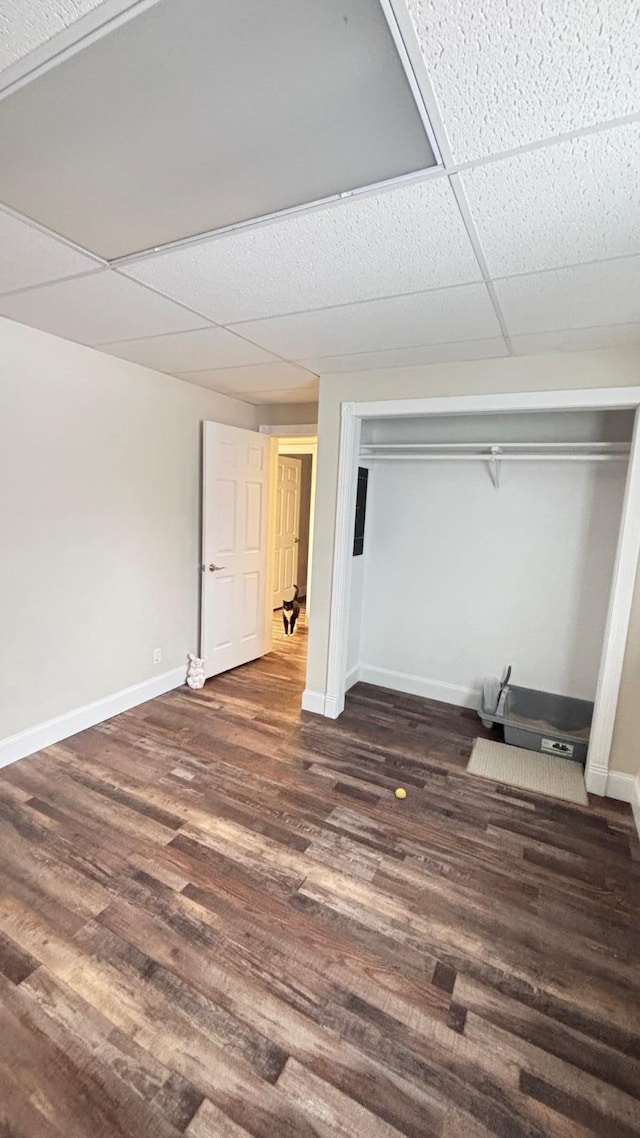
pixel 236 624
pixel 287 534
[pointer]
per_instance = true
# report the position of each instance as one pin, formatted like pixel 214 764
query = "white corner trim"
pixel 333 705
pixel 62 726
pixel 619 786
pixel 618 616
pixel 342 561
pixel 420 685
pixel 313 701
pixel 635 802
pixel 352 677
pixel 596 780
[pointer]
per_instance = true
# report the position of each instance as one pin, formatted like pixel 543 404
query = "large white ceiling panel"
pixel 577 340
pixel 190 351
pixel 510 72
pixel 193 115
pixel 99 307
pixel 30 257
pixel 260 377
pixel 402 240
pixel 410 357
pixel 606 292
pixel 575 201
pixel 460 313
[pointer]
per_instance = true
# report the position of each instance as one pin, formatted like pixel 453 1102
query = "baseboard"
pixel 419 685
pixel 313 701
pixel 54 730
pixel 620 786
pixel 635 802
pixel 596 780
pixel 352 677
pixel 333 706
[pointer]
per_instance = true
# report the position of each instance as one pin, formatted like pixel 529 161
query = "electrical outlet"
pixel 157 655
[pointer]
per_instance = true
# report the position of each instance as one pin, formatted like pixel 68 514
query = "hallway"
pixel 217 920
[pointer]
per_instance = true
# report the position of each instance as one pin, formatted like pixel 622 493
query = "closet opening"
pixel 492 538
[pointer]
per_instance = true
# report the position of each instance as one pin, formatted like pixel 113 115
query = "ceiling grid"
pixel 525 238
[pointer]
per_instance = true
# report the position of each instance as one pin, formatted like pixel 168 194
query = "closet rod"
pixel 500 457
pixel 488 448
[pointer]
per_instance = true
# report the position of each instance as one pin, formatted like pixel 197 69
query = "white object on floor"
pixel 529 770
pixel 195 672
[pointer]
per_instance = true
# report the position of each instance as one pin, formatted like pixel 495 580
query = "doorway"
pixel 293 507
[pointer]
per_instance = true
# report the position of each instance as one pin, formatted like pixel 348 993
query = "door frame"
pixel 331 702
pixel 294 444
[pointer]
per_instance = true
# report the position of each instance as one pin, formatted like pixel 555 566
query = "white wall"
pixel 462 579
pixel 99 522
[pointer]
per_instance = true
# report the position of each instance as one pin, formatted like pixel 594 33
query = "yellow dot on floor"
pixel 400 792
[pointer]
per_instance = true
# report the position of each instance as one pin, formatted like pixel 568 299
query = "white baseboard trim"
pixel 62 726
pixel 333 706
pixel 419 685
pixel 313 701
pixel 619 786
pixel 352 677
pixel 635 802
pixel 596 780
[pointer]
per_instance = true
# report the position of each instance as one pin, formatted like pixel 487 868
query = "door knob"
pixel 296 541
pixel 214 568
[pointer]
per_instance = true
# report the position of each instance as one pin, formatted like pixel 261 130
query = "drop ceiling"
pixel 495 162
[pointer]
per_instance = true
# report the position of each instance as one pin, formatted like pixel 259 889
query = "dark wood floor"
pixel 217 920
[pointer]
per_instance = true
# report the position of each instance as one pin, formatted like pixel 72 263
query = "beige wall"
pixel 99 522
pixel 615 368
pixel 272 414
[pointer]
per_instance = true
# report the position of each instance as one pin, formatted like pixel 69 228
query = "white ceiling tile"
pixel 300 395
pixel 574 201
pixel 460 313
pixel 30 257
pixel 260 377
pixel 511 72
pixel 402 240
pixel 410 357
pixel 606 292
pixel 577 340
pixel 190 351
pixel 97 308
pixel 26 24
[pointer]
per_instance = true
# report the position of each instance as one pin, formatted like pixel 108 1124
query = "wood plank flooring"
pixel 216 920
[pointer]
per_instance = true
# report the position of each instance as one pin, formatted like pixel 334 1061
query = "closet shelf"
pixel 496 453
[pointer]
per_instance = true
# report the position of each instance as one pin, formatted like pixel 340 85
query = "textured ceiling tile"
pixel 575 201
pixel 30 257
pixel 259 377
pixel 607 292
pixel 27 24
pixel 442 315
pixel 410 357
pixel 509 72
pixel 402 240
pixel 577 339
pixel 190 351
pixel 300 395
pixel 97 308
